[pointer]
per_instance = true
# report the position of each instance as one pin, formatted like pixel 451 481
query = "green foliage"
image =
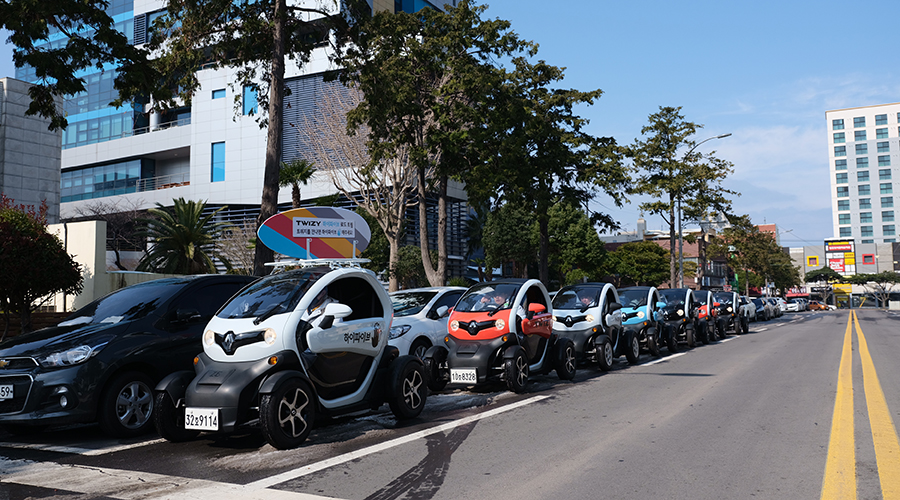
pixel 33 263
pixel 639 263
pixel 410 271
pixel 183 239
pixel 459 281
pixel 824 273
pixel 379 251
pixel 508 237
pixel 576 251
pixel 293 174
pixel 878 284
pixel 749 250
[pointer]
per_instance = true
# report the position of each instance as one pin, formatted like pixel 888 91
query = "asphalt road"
pixel 748 417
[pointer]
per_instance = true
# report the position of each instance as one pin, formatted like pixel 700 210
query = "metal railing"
pixel 164 182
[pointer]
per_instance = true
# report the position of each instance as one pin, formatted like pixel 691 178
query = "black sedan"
pixel 101 363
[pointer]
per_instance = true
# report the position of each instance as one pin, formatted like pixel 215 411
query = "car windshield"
pixel 576 297
pixel 672 298
pixel 409 303
pixel 724 297
pixel 488 297
pixel 126 304
pixel 701 298
pixel 272 295
pixel 758 302
pixel 633 298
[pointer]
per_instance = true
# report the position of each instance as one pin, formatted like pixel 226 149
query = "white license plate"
pixel 6 392
pixel 463 376
pixel 201 419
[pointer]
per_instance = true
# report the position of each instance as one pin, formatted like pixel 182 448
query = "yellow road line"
pixel 884 434
pixel 840 468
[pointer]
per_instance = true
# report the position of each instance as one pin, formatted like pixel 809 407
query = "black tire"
pixel 653 343
pixel 287 415
pixel 633 352
pixel 745 325
pixel 126 405
pixel 604 355
pixel 408 387
pixel 689 335
pixel 515 370
pixel 702 333
pixel 169 420
pixel 672 341
pixel 565 359
pixel 418 347
pixel 721 330
pixel 436 382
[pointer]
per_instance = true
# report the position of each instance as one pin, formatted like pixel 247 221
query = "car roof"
pixel 430 289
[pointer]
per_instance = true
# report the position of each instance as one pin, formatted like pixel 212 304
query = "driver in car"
pixel 586 301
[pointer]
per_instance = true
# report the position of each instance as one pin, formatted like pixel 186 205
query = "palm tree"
pixel 293 174
pixel 184 240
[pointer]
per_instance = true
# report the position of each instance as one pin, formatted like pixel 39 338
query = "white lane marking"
pixel 353 455
pixel 75 450
pixel 762 329
pixel 660 360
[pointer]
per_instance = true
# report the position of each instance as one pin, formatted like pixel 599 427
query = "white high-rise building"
pixel 864 156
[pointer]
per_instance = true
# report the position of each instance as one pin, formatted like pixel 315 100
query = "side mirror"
pixel 332 311
pixel 438 313
pixel 615 306
pixel 660 305
pixel 536 308
pixel 186 315
pixel 717 304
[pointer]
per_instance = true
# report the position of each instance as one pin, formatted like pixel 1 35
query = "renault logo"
pixel 4 363
pixel 473 327
pixel 228 342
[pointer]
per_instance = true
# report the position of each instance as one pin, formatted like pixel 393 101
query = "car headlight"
pixel 70 357
pixel 454 325
pixel 729 309
pixel 589 318
pixel 499 324
pixel 681 312
pixel 397 331
pixel 554 318
pixel 209 337
pixel 640 314
pixel 269 336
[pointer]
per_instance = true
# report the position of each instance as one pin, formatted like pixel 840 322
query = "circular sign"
pixel 316 233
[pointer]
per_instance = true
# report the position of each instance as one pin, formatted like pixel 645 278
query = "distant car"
pixel 775 307
pixel 747 312
pixel 815 305
pixel 588 313
pixel 764 310
pixel 795 305
pixel 101 363
pixel 782 304
pixel 420 317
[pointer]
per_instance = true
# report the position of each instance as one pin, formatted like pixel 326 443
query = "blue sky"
pixel 764 71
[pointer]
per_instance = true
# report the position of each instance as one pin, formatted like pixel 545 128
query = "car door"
pixel 437 328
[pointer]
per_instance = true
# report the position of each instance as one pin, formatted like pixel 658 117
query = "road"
pixel 752 416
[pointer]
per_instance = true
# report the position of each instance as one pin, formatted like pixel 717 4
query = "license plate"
pixel 6 392
pixel 201 419
pixel 463 376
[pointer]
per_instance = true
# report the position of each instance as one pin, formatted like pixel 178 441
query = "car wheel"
pixel 604 355
pixel 565 359
pixel 287 415
pixel 745 325
pixel 408 387
pixel 516 371
pixel 721 330
pixel 419 347
pixel 126 406
pixel 437 380
pixel 633 354
pixel 702 333
pixel 653 342
pixel 689 335
pixel 169 420
pixel 672 341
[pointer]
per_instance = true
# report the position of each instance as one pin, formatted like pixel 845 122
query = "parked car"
pixel 747 312
pixel 641 316
pixel 678 317
pixel 503 330
pixel 589 314
pixel 782 305
pixel 775 307
pixel 728 304
pixel 764 310
pixel 705 325
pixel 815 305
pixel 794 305
pixel 421 316
pixel 293 345
pixel 101 363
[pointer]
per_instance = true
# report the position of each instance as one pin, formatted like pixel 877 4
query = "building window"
pixel 880 119
pixel 218 94
pixel 844 205
pixel 886 188
pixel 865 203
pixel 865 217
pixel 862 162
pixel 884 174
pixel 859 135
pixel 839 138
pixel 863 190
pixel 218 162
pixel 862 149
pixel 844 219
pixel 859 121
pixel 862 176
pixel 865 231
pixel 868 258
pixel 840 151
pixel 887 216
pixel 887 202
pixel 812 262
pixel 840 178
pixel 867 241
pixel 839 123
pixel 889 240
pixel 884 147
pixel 884 161
pixel 881 133
pixel 843 192
pixel 846 232
pixel 250 101
pixel 840 164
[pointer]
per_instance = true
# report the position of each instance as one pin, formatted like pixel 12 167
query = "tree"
pixel 879 285
pixel 639 263
pixel 748 250
pixel 827 275
pixel 293 174
pixel 93 42
pixel 426 81
pixel 33 263
pixel 507 237
pixel 693 181
pixel 576 251
pixel 379 250
pixel 121 230
pixel 183 239
pixel 237 245
pixel 255 38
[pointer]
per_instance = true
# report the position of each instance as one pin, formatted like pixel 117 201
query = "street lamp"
pixel 680 237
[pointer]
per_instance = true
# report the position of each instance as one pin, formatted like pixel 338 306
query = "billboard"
pixel 841 256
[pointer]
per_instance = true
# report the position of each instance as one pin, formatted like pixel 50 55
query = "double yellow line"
pixel 840 468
